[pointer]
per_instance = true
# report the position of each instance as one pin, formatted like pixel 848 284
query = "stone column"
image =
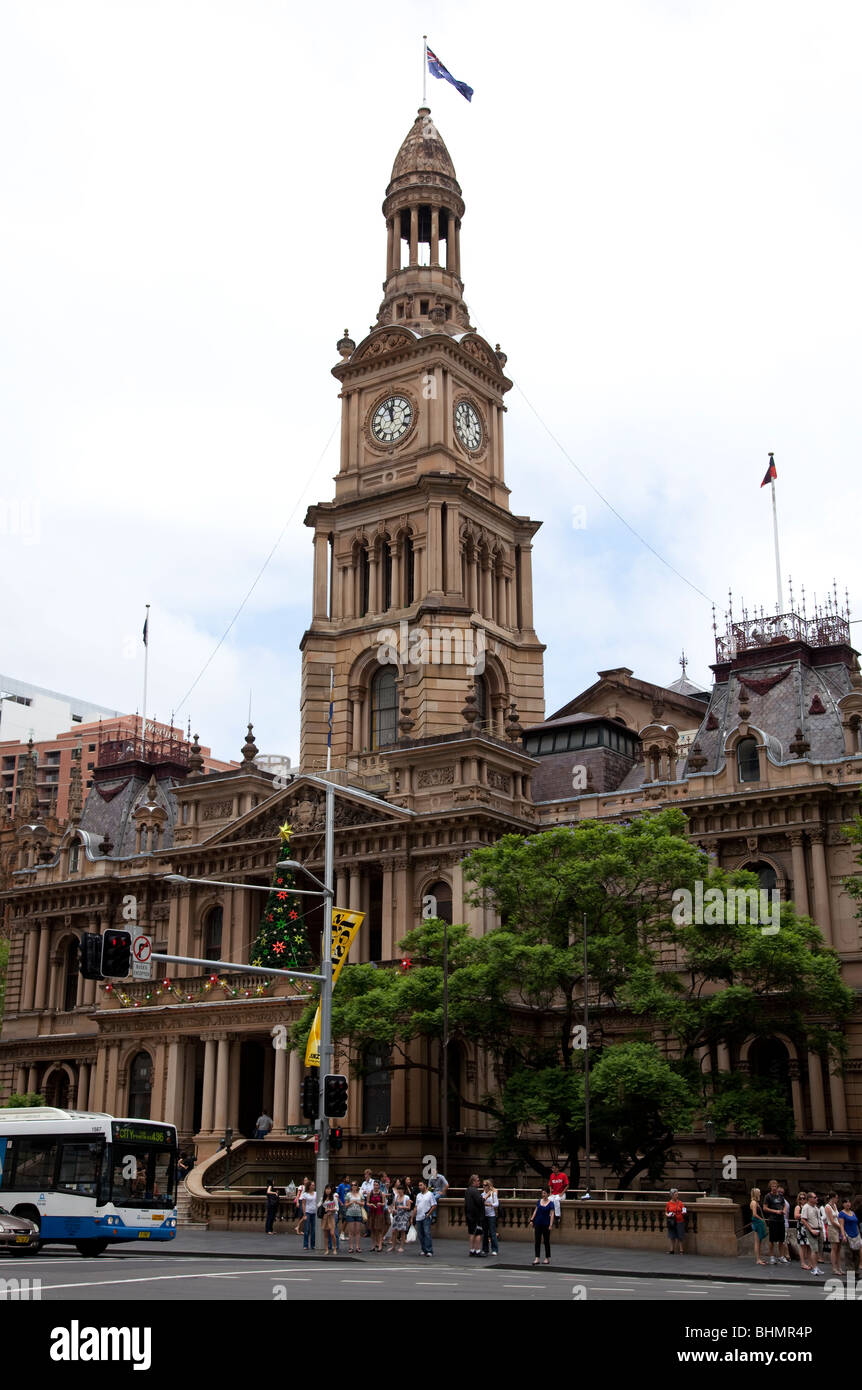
pixel 279 1092
pixel 500 611
pixel 157 1095
pixel 355 891
pixel 42 967
pixel 28 993
pixel 294 1097
pixel 387 948
pixel 208 1101
pixel 233 1084
pixel 796 1096
pixel 175 1085
pixel 486 589
pixel 90 994
pixel 321 557
pixel 414 236
pixel 21 1080
pixel 346 606
pixel 435 236
pixel 723 1056
pixel 82 1090
pixel 815 1086
pixel 93 1102
pixel 435 554
pixel 390 246
pixel 221 1084
pixel 823 913
pixel 341 889
pixel 453 549
pixel 33 1079
pixel 400 897
pixel 839 1102
pixel 527 586
pixel 800 876
pixel 374 585
pixel 112 1101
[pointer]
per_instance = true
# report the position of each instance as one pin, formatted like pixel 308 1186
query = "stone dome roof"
pixel 423 152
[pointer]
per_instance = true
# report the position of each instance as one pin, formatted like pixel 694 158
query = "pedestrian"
pixel 341 1192
pixel 675 1216
pixel 758 1225
pixel 385 1184
pixel 439 1186
pixel 328 1212
pixel 773 1215
pixel 425 1204
pixel 833 1232
pixel 474 1215
pixel 401 1216
pixel 299 1207
pixel 541 1224
pixel 558 1184
pixel 184 1166
pixel 375 1206
pixel 850 1237
pixel 787 1250
pixel 309 1202
pixel 808 1231
pixel 491 1199
pixel 354 1218
pixel 272 1200
pixel 263 1126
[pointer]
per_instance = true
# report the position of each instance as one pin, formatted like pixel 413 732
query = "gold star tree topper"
pixel 285 831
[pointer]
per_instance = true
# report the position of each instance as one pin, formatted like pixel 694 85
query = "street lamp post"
pixel 444 1118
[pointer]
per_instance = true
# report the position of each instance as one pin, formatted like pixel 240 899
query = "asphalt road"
pixel 135 1276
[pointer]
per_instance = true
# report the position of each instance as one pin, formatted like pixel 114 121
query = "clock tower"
pixel 422 573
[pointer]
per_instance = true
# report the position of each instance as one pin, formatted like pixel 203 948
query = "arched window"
pixel 376 1091
pixel 748 760
pixel 384 708
pixel 140 1086
pixel 765 873
pixel 442 905
pixel 70 985
pixel 213 923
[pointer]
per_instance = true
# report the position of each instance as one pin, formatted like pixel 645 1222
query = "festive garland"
pixel 161 987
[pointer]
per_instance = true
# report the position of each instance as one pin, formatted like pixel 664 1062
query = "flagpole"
pixel 146 666
pixel 424 69
pixel 775 532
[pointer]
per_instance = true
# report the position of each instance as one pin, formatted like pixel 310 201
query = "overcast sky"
pixel 662 231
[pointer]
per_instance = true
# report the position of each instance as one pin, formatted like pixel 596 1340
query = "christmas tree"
pixel 281 940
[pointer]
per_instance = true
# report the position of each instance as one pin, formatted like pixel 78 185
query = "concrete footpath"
pixel 565 1258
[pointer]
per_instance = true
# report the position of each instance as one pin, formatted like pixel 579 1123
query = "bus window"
pixel 32 1165
pixel 142 1176
pixel 80 1164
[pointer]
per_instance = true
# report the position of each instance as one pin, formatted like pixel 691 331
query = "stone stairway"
pixel 184 1202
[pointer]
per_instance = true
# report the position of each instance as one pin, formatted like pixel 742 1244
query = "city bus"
pixel 87 1179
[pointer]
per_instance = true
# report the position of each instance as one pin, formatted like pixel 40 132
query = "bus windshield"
pixel 142 1166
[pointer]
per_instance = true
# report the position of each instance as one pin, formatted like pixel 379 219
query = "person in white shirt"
pixel 309 1203
pixel 492 1202
pixel 425 1204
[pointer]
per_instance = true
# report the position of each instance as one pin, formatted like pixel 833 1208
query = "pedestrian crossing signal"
pixel 336 1138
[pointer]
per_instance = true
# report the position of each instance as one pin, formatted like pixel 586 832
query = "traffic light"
pixel 90 955
pixel 336 1138
pixel 116 954
pixel 335 1096
pixel 311 1097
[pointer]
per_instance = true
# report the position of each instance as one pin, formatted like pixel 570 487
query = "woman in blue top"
pixel 850 1239
pixel 541 1224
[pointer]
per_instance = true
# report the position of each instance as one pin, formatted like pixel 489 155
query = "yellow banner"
pixel 345 925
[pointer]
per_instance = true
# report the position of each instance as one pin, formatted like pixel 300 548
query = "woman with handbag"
pixel 354 1219
pixel 758 1225
pixel 375 1205
pixel 401 1213
pixel 327 1211
pixel 850 1237
pixel 833 1232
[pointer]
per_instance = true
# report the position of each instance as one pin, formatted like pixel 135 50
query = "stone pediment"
pixel 377 343
pixel 482 352
pixel 303 806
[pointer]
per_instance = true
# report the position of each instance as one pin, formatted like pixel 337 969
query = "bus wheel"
pixel 90 1247
pixel 30 1214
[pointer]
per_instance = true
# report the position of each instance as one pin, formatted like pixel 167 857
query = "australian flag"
pixel 437 69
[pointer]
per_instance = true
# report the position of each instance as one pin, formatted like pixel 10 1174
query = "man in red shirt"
pixel 558 1183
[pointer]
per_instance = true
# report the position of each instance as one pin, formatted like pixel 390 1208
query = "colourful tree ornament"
pixel 281 939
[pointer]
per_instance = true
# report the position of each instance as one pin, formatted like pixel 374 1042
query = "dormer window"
pixel 74 856
pixel 748 760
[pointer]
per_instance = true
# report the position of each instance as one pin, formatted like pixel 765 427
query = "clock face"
pixel 392 419
pixel 468 426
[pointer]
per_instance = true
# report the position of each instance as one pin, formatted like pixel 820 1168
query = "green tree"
pixel 660 990
pixel 21 1100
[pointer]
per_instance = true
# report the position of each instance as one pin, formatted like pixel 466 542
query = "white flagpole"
pixel 775 530
pixel 424 69
pixel 146 665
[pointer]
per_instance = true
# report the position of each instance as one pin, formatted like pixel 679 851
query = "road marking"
pixel 436 1284
pixel 362 1281
pixel 150 1279
pixel 524 1286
